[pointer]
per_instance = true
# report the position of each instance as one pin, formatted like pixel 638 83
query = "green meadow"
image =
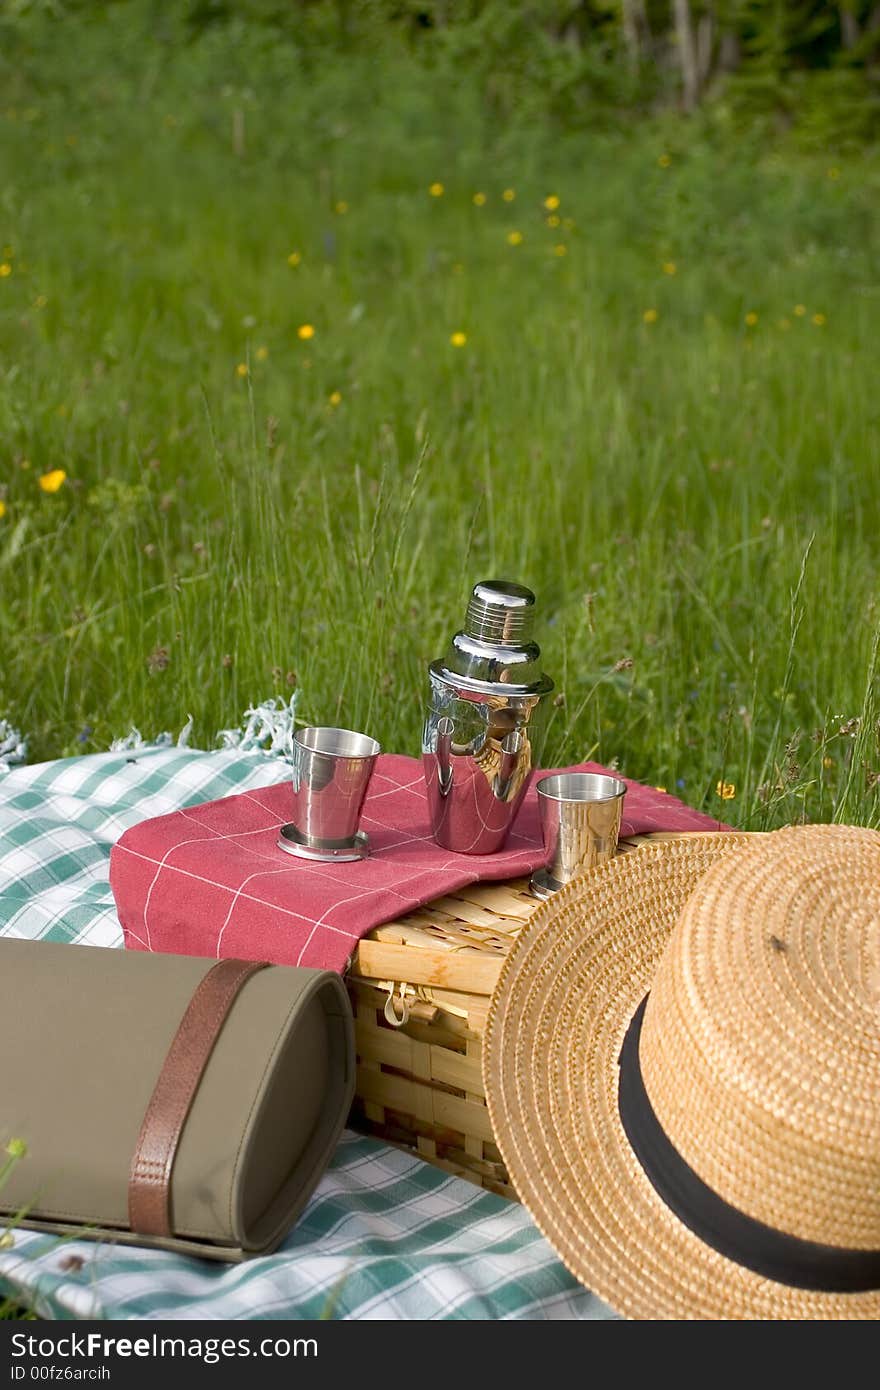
pixel 292 354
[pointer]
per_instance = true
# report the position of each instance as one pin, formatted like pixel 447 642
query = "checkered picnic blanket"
pixel 384 1236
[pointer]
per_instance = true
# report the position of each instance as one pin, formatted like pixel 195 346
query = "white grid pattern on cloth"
pixel 328 874
pixel 259 902
pixel 59 820
pixel 383 1236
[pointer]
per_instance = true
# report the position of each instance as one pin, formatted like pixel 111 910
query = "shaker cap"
pixel 495 647
pixel 500 611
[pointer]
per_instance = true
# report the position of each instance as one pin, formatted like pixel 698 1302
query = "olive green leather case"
pixel 84 1034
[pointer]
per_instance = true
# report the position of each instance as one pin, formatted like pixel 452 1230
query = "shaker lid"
pixel 500 611
pixel 495 646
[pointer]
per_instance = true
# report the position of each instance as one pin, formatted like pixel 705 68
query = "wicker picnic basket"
pixel 420 988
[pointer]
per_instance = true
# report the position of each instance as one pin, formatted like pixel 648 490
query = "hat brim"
pixel 566 994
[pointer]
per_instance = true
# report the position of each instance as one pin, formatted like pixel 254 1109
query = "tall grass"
pixel 12 1154
pixel 693 494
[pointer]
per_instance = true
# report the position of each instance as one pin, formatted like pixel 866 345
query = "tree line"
pixel 770 57
pixel 792 63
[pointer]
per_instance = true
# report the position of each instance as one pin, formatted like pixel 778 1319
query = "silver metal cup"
pixel 580 823
pixel 331 772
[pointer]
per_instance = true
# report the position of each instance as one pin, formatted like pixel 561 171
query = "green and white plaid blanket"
pixel 385 1235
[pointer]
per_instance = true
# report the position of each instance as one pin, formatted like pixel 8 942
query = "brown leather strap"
pixel 149 1182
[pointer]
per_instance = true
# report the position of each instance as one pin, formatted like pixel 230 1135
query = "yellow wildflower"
pixel 509 194
pixel 650 316
pixel 751 319
pixel 305 331
pixel 827 762
pixel 800 310
pixel 819 320
pixel 294 259
pixel 5 269
pixel 262 353
pixel 2 509
pixel 25 464
pixel 241 369
pixel 458 268
pixel 514 238
pixel 41 301
pixel 560 250
pixel 341 207
pixel 726 790
pixel 659 789
pixel 553 220
pixel 833 172
pixel 551 203
pixel 669 268
pixel 51 482
pixel 335 398
pixel 458 339
pixel 436 190
pixel 664 161
pixel 479 199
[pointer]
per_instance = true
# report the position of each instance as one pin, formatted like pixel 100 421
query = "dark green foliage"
pixel 798 66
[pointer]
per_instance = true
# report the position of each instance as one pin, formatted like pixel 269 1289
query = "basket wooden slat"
pixel 420 1085
pixel 468 970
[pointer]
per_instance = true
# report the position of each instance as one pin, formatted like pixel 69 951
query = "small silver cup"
pixel 580 823
pixel 331 772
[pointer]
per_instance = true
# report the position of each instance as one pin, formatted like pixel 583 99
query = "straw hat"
pixel 751 1096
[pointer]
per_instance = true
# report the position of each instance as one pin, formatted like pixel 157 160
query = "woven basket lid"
pixel 758 957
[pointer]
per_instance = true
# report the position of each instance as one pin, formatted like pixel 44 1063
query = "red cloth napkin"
pixel 210 880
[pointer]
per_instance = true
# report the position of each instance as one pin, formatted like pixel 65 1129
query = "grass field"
pixel 315 351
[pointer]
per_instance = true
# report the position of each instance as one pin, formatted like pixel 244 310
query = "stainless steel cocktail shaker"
pixel 477 747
